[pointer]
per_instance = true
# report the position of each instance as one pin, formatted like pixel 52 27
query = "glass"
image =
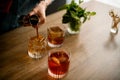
pixel 115 22
pixel 56 36
pixel 37 46
pixel 74 31
pixel 58 63
pixel 114 30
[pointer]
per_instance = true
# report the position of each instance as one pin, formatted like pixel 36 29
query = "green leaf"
pixel 81 12
pixel 73 15
pixel 80 1
pixel 65 19
pixel 92 13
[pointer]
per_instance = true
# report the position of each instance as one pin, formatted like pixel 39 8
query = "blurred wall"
pixel 110 2
pixel 68 1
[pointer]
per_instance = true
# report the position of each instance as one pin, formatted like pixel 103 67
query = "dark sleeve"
pixel 23 6
pixel 54 7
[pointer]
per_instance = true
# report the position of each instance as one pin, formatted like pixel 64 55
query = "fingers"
pixel 40 11
pixel 34 11
pixel 42 15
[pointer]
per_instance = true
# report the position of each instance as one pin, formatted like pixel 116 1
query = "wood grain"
pixel 95 54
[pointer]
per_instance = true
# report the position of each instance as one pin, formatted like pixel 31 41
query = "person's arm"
pixel 40 10
pixel 48 2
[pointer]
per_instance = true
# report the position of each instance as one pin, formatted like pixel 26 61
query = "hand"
pixel 40 11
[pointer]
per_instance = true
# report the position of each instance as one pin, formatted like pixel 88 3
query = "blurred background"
pixel 57 3
pixel 52 8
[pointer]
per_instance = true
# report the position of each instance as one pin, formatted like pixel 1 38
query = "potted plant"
pixel 75 16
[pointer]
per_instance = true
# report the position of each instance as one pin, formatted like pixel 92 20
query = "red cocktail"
pixel 58 63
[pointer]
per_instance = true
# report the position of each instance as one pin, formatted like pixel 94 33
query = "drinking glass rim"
pixel 48 28
pixel 59 49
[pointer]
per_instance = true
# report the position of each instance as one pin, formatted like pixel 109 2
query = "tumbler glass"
pixel 37 46
pixel 55 36
pixel 58 63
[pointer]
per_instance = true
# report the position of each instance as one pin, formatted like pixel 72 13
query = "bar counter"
pixel 95 53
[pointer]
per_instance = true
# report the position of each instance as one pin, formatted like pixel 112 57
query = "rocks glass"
pixel 58 63
pixel 55 36
pixel 37 46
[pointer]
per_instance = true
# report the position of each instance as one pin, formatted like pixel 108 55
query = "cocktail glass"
pixel 55 36
pixel 58 63
pixel 37 46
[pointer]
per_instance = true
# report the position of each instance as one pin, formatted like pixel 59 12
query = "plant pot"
pixel 73 29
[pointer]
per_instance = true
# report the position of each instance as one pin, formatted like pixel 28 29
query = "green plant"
pixel 75 15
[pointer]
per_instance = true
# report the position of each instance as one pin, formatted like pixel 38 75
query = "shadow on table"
pixel 111 42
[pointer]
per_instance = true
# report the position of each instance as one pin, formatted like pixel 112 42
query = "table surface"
pixel 95 53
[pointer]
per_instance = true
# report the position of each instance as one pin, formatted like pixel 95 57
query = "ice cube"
pixel 56 31
pixel 62 59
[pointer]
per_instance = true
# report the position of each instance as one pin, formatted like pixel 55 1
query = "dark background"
pixel 54 6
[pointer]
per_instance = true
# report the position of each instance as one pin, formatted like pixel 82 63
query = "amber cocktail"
pixel 55 36
pixel 37 46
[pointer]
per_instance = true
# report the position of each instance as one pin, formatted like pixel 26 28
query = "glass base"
pixel 34 55
pixel 55 75
pixel 72 32
pixel 114 30
pixel 53 45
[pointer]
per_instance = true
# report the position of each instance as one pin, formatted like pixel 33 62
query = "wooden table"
pixel 95 54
